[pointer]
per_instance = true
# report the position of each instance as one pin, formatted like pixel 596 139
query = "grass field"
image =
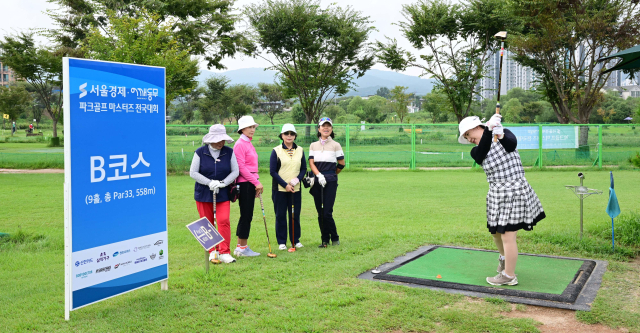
pixel 380 215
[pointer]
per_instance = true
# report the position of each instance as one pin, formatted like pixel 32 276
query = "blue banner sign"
pixel 205 233
pixel 115 179
pixel 553 137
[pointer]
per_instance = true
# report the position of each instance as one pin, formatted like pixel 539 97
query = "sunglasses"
pixel 289 133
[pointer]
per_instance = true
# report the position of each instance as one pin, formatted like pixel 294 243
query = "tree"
pixel 214 104
pixel 383 92
pixel 188 103
pixel 530 111
pixel 146 39
pixel 512 111
pixel 334 111
pixel 458 39
pixel 239 98
pixel 270 99
pixel 297 114
pixel 371 113
pixel 399 101
pixel 318 52
pixel 206 28
pixel 356 103
pixel 42 69
pixel 437 103
pixel 606 115
pixel 563 40
pixel 14 101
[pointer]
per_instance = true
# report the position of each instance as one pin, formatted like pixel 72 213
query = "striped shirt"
pixel 325 157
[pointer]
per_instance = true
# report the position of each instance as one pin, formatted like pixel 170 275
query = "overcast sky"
pixel 21 15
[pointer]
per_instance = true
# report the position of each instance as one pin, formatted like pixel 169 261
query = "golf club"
pixel 214 260
pixel 293 234
pixel 502 35
pixel 264 218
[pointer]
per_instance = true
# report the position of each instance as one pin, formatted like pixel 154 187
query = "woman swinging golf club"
pixel 214 167
pixel 511 202
pixel 326 160
pixel 287 166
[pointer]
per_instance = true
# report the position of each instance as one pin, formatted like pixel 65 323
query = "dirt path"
pixel 558 320
pixel 31 171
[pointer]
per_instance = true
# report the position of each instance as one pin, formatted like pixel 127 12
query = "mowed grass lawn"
pixel 380 215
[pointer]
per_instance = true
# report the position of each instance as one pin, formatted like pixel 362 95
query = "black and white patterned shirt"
pixel 500 160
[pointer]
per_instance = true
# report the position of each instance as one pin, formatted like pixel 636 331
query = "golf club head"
pixel 271 255
pixel 293 249
pixel 376 271
pixel 501 35
pixel 215 261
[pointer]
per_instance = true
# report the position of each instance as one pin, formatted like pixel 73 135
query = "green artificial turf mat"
pixel 535 274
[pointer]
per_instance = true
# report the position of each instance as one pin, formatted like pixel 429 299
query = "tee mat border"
pixel 578 295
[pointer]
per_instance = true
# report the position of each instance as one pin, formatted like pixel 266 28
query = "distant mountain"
pixel 366 85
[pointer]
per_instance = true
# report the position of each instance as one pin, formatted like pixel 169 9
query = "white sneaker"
pixel 299 245
pixel 247 252
pixel 214 255
pixel 226 258
pixel 282 247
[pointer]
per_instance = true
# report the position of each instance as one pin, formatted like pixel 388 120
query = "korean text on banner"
pixel 115 179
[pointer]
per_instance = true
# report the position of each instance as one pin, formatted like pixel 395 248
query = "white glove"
pixel 213 184
pixel 312 181
pixel 294 181
pixel 221 185
pixel 495 120
pixel 499 131
pixel 321 179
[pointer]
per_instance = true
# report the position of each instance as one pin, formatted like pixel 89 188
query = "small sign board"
pixel 205 233
pixel 5 116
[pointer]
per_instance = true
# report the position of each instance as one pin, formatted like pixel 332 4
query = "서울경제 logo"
pixel 103 256
pixel 158 242
pixel 140 260
pixel 103 269
pixel 152 256
pixel 83 274
pixel 83 262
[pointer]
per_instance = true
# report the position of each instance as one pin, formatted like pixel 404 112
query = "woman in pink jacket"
pixel 250 187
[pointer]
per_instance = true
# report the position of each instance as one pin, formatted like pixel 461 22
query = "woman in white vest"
pixel 287 166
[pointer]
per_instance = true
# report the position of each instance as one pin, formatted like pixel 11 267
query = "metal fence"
pixel 411 146
pixel 415 146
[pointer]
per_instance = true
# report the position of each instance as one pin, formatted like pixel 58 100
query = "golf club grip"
pixel 261 203
pixel 214 206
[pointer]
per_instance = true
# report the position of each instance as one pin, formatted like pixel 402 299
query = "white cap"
pixel 244 122
pixel 288 128
pixel 467 124
pixel 325 120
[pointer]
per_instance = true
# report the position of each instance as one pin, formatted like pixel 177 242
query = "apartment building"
pixel 6 75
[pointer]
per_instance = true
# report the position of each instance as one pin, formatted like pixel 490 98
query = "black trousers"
pixel 282 206
pixel 325 216
pixel 246 201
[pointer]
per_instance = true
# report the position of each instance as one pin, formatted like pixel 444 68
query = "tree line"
pixel 318 51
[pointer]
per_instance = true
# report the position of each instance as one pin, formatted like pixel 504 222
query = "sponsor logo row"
pixel 105 257
pixel 153 256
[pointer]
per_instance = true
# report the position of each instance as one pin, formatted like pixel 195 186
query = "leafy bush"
pixel 627 229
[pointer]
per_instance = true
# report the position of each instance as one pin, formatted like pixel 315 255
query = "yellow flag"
pixel 5 116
